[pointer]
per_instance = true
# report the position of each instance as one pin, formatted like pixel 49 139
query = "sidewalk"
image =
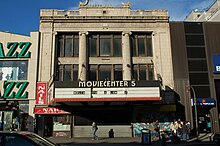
pixel 204 139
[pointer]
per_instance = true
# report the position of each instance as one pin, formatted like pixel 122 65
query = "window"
pixel 68 45
pixel 118 73
pixel 143 72
pixel 105 45
pixel 192 27
pixel 196 52
pixel 141 45
pixel 68 72
pixel 105 72
pixel 195 40
pixel 62 123
pixel 13 70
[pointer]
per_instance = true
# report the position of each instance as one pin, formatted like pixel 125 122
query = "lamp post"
pixel 195 108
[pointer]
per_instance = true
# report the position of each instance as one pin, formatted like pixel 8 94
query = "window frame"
pixel 136 69
pixel 97 68
pixel 135 45
pixel 72 69
pixel 61 45
pixel 112 39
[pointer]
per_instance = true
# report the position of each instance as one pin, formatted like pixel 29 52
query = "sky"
pixel 22 16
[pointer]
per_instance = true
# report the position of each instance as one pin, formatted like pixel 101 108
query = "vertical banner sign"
pixel 216 63
pixel 41 93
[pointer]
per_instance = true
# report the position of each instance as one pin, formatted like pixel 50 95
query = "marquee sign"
pixel 216 63
pixel 15 50
pixel 107 89
pixel 107 92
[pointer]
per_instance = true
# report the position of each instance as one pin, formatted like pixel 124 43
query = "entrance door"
pixel 204 123
pixel 48 126
pixel 24 121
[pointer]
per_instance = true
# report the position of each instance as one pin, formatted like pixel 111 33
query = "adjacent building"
pixel 211 14
pixel 18 76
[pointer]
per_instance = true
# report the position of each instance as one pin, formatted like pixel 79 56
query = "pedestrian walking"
pixel 188 127
pixel 94 130
pixel 184 131
pixel 157 128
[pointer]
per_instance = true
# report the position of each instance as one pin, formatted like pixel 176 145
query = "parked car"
pixel 216 138
pixel 14 138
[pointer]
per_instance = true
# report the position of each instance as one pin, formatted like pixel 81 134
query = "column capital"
pixel 83 32
pixel 126 33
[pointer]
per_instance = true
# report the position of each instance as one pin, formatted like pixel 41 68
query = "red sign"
pixel 41 93
pixel 40 110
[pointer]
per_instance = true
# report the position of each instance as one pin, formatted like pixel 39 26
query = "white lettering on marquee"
pixel 106 84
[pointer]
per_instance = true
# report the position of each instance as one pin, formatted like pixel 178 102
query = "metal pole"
pixel 196 117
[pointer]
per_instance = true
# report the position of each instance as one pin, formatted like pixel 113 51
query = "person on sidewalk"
pixel 188 126
pixel 157 128
pixel 94 130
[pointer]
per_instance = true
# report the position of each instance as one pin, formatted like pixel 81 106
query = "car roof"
pixel 17 132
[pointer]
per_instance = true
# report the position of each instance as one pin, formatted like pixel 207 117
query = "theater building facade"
pixel 106 64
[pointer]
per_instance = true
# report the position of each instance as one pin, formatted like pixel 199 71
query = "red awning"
pixel 48 110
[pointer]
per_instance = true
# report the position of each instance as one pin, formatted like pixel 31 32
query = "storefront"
pixel 53 122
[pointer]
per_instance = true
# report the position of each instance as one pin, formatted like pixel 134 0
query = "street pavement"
pixel 204 140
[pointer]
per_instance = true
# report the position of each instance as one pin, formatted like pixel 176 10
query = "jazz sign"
pixel 15 50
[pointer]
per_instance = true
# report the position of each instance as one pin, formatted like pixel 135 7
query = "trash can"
pixel 145 136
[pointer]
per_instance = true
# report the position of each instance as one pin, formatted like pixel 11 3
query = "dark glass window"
pixel 199 78
pixel 93 46
pixel 197 65
pixel 105 45
pixel 68 45
pixel 133 46
pixel 105 72
pixel 193 27
pixel 141 45
pixel 149 46
pixel 68 72
pixel 195 40
pixel 117 47
pixel 93 73
pixel 150 72
pixel 143 72
pixel 196 52
pixel 76 47
pixel 202 91
pixel 118 73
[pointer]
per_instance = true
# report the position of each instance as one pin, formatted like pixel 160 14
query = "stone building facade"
pixel 122 56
